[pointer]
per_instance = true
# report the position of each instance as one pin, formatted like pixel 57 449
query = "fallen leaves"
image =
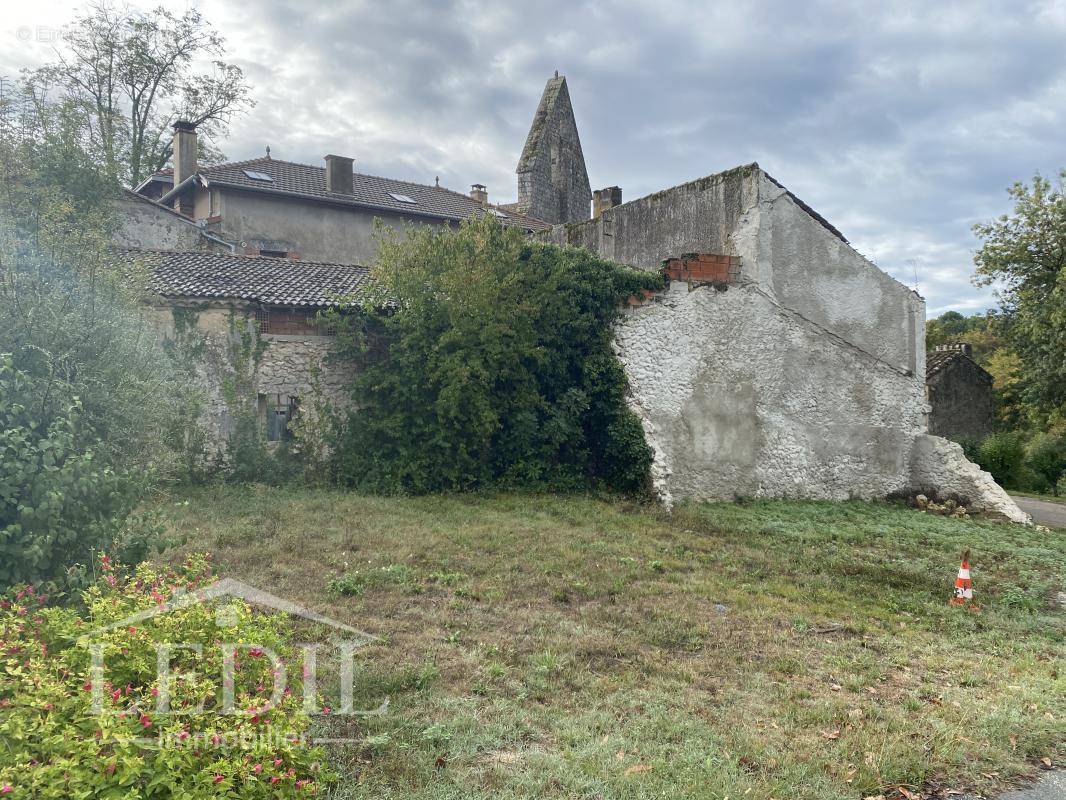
pixel 638 769
pixel 1046 762
pixel 831 734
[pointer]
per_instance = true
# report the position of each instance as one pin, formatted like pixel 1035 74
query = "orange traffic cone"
pixel 963 589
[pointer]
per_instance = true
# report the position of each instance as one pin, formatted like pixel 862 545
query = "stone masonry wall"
pixel 553 183
pixel 292 366
pixel 960 394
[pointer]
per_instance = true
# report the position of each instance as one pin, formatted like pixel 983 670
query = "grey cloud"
pixel 902 122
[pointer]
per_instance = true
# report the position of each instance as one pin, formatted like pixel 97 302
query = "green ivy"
pixel 486 361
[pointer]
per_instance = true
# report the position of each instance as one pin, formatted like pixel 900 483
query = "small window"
pixel 274 253
pixel 499 214
pixel 401 198
pixel 257 176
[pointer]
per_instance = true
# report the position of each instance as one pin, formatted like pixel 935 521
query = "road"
pixel 1050 786
pixel 1043 512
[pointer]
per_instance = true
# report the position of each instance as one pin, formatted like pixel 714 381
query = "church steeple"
pixel 553 184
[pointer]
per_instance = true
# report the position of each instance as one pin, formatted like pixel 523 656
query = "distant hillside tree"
pixel 132 73
pixel 1024 253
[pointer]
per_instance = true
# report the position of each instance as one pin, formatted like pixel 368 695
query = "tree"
pixel 1046 457
pixel 490 365
pixel 86 390
pixel 1024 254
pixel 981 331
pixel 132 73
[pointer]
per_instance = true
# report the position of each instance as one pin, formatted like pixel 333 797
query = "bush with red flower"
pixel 84 711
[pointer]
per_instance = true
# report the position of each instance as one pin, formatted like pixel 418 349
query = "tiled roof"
pixel 368 191
pixel 938 359
pixel 273 281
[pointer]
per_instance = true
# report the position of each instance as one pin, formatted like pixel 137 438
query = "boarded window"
pixel 277 412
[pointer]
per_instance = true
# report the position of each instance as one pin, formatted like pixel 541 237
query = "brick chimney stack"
pixel 339 174
pixel 184 158
pixel 603 199
pixel 479 192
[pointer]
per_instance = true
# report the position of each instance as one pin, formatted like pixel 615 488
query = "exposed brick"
pixel 703 268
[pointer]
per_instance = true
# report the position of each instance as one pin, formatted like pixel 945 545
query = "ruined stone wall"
pixel 291 366
pixel 800 374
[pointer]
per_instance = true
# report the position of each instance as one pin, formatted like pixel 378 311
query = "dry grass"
pixel 540 646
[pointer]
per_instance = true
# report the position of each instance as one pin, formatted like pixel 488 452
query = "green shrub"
pixel 57 745
pixel 1003 454
pixel 59 501
pixel 1046 458
pixel 491 365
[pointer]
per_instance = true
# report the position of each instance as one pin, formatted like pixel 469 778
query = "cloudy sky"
pixel 901 122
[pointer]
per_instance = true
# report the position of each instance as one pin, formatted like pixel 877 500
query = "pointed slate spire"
pixel 553 184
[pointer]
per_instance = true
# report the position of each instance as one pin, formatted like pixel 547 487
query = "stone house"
pixel 206 303
pixel 960 394
pixel 269 207
pixel 778 362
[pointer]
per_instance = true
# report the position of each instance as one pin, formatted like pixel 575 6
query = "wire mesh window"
pixel 299 322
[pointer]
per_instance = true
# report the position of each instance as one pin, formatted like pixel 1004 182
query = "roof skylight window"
pixel 258 176
pixel 499 213
pixel 401 198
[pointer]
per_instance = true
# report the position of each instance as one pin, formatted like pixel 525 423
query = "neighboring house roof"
pixel 272 281
pixel 939 359
pixel 368 191
pixel 129 194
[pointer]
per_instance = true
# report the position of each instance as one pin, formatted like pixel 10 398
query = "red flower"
pixel 218 778
pixel 146 720
pixel 87 686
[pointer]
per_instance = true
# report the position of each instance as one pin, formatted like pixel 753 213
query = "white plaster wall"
pixel 742 398
pixel 143 224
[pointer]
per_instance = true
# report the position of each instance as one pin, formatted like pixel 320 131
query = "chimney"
pixel 184 162
pixel 339 174
pixel 603 199
pixel 479 192
pixel 958 347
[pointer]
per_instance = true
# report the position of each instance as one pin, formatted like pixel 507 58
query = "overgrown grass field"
pixel 539 646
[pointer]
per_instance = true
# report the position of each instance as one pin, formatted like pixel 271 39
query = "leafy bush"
pixel 490 365
pixel 1003 455
pixel 57 745
pixel 1046 458
pixel 86 389
pixel 58 500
